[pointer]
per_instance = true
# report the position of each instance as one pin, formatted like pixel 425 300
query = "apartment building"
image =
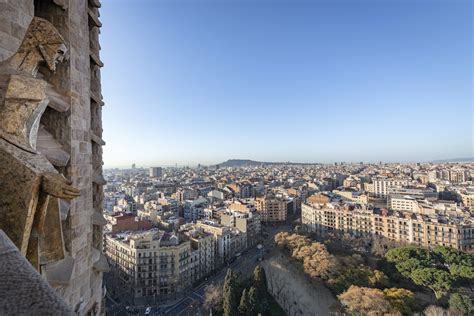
pixel 416 192
pixel 383 185
pixel 458 175
pixel 455 231
pixel 228 241
pixel 319 198
pixel 155 172
pixel 119 222
pixel 194 209
pixel 242 206
pixel 127 204
pixel 455 175
pixel 272 209
pixel 467 197
pixel 352 196
pixel 369 188
pixel 216 196
pixel 248 223
pixel 185 194
pixel 205 245
pixel 169 204
pixel 151 264
pixel 403 203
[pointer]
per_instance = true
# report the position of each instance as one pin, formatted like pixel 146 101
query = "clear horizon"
pixel 193 82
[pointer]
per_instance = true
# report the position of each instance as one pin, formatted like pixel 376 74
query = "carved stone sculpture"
pixel 30 187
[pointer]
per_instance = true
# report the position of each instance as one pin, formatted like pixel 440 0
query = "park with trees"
pixel 397 281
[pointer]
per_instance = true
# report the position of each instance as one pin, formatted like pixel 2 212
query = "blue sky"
pixel 196 81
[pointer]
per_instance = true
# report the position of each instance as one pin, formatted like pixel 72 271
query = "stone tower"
pixel 70 137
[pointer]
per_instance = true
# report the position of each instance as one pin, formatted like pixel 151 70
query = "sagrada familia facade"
pixel 51 252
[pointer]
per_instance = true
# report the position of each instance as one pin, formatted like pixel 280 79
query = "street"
pixel 243 266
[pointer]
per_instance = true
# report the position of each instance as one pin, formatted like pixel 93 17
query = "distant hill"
pixel 454 160
pixel 238 163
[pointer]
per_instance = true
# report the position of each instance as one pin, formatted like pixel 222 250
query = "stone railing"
pixel 23 291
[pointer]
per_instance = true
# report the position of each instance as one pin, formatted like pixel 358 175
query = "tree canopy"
pixel 316 259
pixel 260 280
pixel 437 269
pixel 244 303
pixel 213 298
pixel 363 300
pixel 357 275
pixel 437 280
pixel 400 299
pixel 461 303
pixel 230 294
pixel 253 306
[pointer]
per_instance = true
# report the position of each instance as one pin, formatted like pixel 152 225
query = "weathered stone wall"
pixel 23 283
pixel 293 290
pixel 78 130
pixel 15 16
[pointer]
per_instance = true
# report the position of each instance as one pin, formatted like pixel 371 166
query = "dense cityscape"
pixel 172 235
pixel 382 87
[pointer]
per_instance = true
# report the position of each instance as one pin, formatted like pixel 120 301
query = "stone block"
pixel 23 291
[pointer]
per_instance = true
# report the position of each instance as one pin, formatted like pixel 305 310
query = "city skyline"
pixel 192 165
pixel 207 81
pixel 236 157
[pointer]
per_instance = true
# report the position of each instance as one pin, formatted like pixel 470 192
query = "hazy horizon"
pixel 194 164
pixel 193 82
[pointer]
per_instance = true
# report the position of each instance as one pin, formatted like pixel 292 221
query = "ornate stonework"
pixel 31 186
pixel 51 126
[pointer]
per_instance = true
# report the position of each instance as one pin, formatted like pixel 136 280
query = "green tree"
pixel 462 271
pixel 260 281
pixel 230 294
pixel 460 264
pixel 253 306
pixel 408 259
pixel 461 303
pixel 452 256
pixel 357 275
pixel 244 303
pixel 437 280
pixel 260 284
pixel 401 254
pixel 400 299
pixel 409 265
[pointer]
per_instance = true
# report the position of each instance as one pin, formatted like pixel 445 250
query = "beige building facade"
pixel 356 197
pixel 468 200
pixel 426 231
pixel 271 209
pixel 205 246
pixel 150 265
